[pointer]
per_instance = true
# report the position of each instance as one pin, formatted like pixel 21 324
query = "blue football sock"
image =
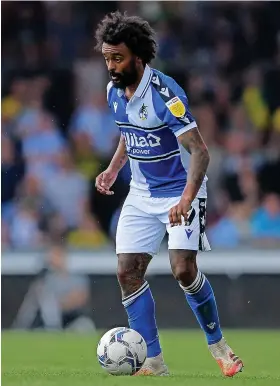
pixel 201 299
pixel 140 308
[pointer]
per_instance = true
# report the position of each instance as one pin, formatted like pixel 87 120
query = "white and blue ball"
pixel 122 351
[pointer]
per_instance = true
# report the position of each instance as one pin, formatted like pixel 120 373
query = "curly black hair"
pixel 133 31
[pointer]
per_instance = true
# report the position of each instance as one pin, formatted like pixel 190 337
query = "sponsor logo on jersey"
pixel 176 107
pixel 164 91
pixel 155 80
pixel 140 145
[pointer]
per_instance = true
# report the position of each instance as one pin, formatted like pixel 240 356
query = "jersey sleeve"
pixel 172 108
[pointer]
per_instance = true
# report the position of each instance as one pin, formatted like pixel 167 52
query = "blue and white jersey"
pixel 150 122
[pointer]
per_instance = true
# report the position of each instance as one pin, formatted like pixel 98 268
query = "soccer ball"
pixel 121 351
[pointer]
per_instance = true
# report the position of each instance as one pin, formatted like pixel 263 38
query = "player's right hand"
pixel 104 181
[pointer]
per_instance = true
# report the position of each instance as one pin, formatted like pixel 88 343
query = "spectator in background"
pixel 28 121
pixel 238 159
pixel 30 208
pixel 12 172
pixel 24 228
pixel 233 229
pixel 29 193
pixel 197 87
pixel 239 121
pixel 222 101
pixel 67 191
pixel 253 99
pixel 56 299
pixel 88 235
pixel 92 122
pixel 94 135
pixel 13 103
pixel 265 222
pixel 169 48
pixel 65 32
pixel 42 148
pixel 86 160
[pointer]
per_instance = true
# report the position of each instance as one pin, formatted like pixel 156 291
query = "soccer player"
pixel 168 161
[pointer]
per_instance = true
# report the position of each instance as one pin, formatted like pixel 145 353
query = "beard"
pixel 125 78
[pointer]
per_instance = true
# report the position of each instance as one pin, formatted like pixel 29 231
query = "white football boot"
pixel 154 366
pixel 229 363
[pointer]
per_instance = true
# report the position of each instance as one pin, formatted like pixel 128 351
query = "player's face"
pixel 121 64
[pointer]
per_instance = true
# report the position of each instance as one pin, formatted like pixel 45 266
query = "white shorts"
pixel 144 221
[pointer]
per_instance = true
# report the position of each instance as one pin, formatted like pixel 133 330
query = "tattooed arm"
pixel 192 141
pixel 120 157
pixel 107 178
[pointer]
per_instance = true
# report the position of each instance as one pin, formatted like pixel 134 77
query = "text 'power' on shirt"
pixel 150 122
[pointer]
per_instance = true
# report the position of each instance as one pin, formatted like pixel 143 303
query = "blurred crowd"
pixel 58 134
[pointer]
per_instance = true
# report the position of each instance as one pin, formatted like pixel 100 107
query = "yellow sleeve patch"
pixel 176 107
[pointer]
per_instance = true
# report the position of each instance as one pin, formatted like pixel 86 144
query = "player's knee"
pixel 125 274
pixel 185 275
pixel 184 267
pixel 131 271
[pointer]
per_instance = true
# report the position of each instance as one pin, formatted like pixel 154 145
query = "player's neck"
pixel 130 90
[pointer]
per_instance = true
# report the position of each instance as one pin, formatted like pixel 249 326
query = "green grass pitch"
pixel 44 359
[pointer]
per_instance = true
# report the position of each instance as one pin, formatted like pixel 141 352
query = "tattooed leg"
pixel 131 271
pixel 137 298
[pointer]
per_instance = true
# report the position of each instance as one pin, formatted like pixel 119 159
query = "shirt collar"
pixel 143 85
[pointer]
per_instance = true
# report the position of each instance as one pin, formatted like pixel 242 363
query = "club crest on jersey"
pixel 143 112
pixel 176 107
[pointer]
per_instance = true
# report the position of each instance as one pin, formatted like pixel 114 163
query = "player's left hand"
pixel 178 211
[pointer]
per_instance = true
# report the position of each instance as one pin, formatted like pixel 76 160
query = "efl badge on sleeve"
pixel 176 107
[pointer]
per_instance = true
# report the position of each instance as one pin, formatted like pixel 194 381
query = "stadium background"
pixel 57 135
